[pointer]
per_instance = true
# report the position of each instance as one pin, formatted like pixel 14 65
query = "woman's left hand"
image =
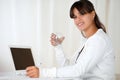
pixel 55 40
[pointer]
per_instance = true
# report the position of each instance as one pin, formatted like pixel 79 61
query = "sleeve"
pixel 60 57
pixel 47 72
pixel 90 56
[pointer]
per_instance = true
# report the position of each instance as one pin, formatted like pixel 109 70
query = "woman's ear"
pixel 93 13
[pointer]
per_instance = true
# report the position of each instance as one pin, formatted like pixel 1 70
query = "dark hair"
pixel 85 6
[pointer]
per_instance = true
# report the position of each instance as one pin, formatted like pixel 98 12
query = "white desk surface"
pixel 13 76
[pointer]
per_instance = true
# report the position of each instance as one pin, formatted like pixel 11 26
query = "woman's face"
pixel 83 22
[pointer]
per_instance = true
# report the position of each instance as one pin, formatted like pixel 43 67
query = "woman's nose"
pixel 78 19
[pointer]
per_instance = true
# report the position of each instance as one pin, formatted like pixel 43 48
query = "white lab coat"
pixel 96 61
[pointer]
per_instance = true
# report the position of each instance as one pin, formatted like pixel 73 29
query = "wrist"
pixel 48 72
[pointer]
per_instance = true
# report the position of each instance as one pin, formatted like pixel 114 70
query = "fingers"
pixel 55 40
pixel 32 72
pixel 53 36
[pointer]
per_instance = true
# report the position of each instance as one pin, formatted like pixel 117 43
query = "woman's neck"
pixel 91 31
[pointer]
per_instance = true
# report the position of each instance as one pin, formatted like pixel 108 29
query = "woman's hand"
pixel 55 40
pixel 32 72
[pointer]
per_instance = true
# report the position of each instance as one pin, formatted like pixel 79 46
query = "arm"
pixel 60 57
pixel 91 55
pixel 56 42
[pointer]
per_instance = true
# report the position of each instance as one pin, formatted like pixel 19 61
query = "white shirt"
pixel 96 61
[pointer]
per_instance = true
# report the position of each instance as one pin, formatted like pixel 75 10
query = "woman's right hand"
pixel 55 40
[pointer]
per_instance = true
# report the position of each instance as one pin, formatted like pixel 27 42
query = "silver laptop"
pixel 22 58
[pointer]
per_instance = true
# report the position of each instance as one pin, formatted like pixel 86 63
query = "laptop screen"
pixel 22 58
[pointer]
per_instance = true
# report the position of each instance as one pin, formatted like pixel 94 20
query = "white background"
pixel 30 23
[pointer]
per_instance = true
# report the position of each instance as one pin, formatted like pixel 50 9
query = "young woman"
pixel 94 60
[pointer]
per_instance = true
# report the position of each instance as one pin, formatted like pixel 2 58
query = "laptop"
pixel 22 58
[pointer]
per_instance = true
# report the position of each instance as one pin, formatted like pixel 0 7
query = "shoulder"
pixel 100 38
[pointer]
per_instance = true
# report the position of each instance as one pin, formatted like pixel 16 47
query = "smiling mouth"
pixel 80 24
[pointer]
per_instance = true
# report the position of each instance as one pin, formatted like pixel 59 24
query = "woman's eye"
pixel 74 17
pixel 82 12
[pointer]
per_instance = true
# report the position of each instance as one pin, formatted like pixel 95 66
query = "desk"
pixel 13 76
